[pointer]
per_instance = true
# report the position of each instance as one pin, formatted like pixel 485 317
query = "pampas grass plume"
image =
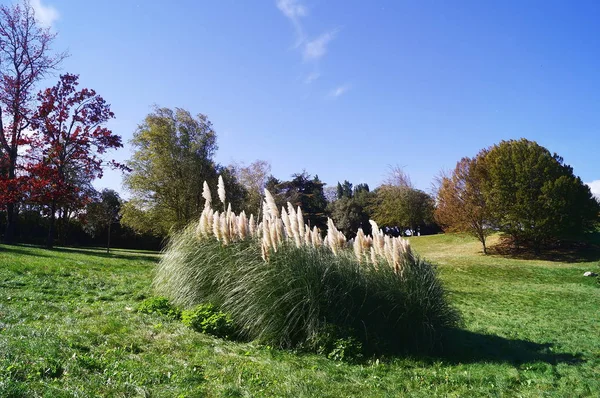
pixel 206 195
pixel 221 190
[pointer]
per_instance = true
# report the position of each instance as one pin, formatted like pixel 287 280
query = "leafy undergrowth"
pixel 69 326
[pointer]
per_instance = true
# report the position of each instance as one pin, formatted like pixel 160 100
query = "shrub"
pixel 289 300
pixel 285 286
pixel 159 305
pixel 337 344
pixel 206 318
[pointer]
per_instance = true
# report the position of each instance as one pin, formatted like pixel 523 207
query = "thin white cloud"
pixel 314 50
pixel 339 91
pixel 312 77
pixel 294 11
pixel 317 48
pixel 595 188
pixel 46 15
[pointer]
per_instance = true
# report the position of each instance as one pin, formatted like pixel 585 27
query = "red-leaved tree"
pixel 69 147
pixel 25 58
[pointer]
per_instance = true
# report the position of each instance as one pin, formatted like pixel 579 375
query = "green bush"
pixel 289 301
pixel 159 305
pixel 337 344
pixel 206 318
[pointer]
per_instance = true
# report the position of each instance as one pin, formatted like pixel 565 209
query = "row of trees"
pixel 174 155
pixel 519 188
pixel 516 187
pixel 52 141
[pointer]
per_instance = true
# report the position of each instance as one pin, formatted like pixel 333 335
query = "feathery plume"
pixel 264 248
pixel 358 244
pixel 373 256
pixel 216 226
pixel 316 237
pixel 396 254
pixel 270 204
pixel 225 232
pixel 332 236
pixel 273 235
pixel 307 237
pixel 266 236
pixel 300 221
pixel 285 218
pixel 221 190
pixel 199 229
pixel 206 195
pixel 242 225
pixel 252 225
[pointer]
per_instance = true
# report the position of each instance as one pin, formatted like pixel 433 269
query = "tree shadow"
pixel 564 252
pixel 22 250
pixel 463 346
pixel 96 252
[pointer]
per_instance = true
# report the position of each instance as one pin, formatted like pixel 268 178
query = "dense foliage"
pixel 304 191
pixel 173 154
pixel 534 197
pixel 517 187
pixel 461 205
pixel 70 142
pixel 402 206
pixel 350 211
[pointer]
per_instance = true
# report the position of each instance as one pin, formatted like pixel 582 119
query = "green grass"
pixel 68 327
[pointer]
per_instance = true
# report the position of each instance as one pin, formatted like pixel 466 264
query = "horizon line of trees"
pixel 515 187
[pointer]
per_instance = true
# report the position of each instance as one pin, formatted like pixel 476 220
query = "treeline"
pixel 174 155
pixel 516 187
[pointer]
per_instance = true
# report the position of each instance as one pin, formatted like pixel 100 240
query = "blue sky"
pixel 346 89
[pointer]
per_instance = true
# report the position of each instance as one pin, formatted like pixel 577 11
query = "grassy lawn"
pixel 68 327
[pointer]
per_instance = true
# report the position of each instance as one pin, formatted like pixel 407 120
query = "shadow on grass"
pixel 463 346
pixel 25 250
pixel 22 250
pixel 587 250
pixel 97 252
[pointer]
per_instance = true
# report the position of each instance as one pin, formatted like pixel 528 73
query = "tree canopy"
pixel 461 205
pixel 351 210
pixel 403 207
pixel 304 191
pixel 533 196
pixel 173 156
pixel 68 147
pixel 25 59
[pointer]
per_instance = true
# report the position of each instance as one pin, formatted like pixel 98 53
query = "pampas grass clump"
pixel 284 285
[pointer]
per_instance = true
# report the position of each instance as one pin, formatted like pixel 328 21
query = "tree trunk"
pixel 63 227
pixel 108 241
pixel 50 240
pixel 11 214
pixel 9 232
